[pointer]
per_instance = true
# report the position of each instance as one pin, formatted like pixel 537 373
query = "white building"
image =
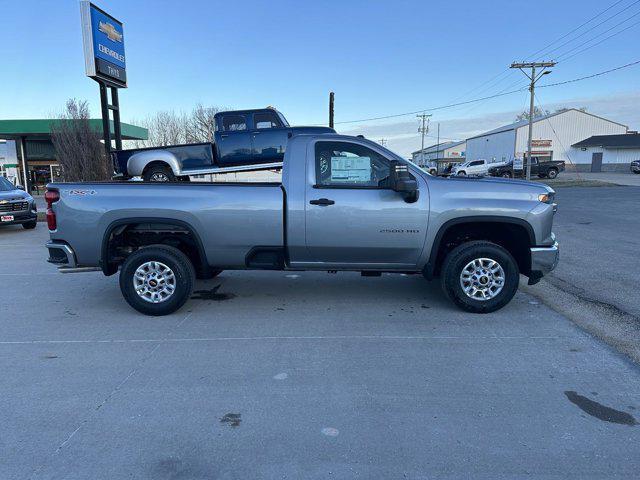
pixel 553 136
pixel 442 154
pixel 607 153
pixel 8 161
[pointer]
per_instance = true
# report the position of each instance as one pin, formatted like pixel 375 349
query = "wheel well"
pixel 515 238
pixel 156 163
pixel 122 240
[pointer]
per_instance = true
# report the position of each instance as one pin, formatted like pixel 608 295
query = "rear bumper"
pixel 61 254
pixel 543 261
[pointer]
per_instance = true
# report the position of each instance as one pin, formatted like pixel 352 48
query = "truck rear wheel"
pixel 552 173
pixel 157 280
pixel 480 276
pixel 158 173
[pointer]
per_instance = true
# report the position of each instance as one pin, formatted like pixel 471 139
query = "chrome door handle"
pixel 224 135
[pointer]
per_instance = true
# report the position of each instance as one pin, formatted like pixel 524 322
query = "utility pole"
pixel 423 129
pixel 332 97
pixel 383 141
pixel 438 148
pixel 533 78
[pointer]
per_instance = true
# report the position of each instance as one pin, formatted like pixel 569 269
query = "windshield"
pixel 6 185
pixel 284 120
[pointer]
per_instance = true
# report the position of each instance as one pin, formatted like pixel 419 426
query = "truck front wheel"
pixel 158 173
pixel 480 276
pixel 157 280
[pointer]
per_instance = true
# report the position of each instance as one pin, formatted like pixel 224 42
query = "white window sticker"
pixel 350 169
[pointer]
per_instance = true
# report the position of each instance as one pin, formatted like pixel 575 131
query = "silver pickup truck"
pixel 344 203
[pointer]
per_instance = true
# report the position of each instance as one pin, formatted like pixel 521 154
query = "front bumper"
pixel 20 217
pixel 543 261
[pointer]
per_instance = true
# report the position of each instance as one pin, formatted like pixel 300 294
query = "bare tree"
pixel 78 148
pixel 170 128
pixel 202 124
pixel 537 113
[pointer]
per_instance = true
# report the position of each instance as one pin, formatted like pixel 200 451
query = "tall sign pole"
pixel 105 62
pixel 533 79
pixel 332 98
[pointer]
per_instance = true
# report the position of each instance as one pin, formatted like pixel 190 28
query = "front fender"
pixel 139 161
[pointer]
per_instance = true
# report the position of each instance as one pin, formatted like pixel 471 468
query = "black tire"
pixel 636 171
pixel 506 175
pixel 158 173
pixel 462 173
pixel 552 173
pixel 30 225
pixel 460 257
pixel 176 261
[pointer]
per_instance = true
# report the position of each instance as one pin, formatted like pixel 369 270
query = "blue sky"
pixel 379 57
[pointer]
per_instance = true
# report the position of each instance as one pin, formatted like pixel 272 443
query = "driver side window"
pixel 343 164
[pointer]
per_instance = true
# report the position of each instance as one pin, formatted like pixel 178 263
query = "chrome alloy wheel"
pixel 154 282
pixel 482 279
pixel 159 177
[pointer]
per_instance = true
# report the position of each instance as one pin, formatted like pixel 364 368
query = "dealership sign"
pixel 103 39
pixel 540 143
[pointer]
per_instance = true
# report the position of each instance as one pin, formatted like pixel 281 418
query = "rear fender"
pixel 139 161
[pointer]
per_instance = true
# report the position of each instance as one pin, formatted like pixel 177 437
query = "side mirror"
pixel 402 181
pixel 19 187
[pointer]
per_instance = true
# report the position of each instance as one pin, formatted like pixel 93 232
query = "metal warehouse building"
pixel 553 137
pixel 439 155
pixel 611 153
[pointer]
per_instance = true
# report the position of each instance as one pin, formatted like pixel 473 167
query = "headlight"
pixel 546 197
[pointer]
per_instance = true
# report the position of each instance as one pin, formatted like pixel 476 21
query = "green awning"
pixel 10 129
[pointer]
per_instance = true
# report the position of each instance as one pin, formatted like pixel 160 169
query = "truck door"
pixel 353 218
pixel 233 140
pixel 269 137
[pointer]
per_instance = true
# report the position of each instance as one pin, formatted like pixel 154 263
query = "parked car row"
pixel 548 169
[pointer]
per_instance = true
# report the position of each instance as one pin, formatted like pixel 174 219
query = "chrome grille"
pixel 13 206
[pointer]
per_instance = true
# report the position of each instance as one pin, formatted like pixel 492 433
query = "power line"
pixel 493 79
pixel 594 27
pixel 430 109
pixel 591 76
pixel 442 107
pixel 546 53
pixel 603 40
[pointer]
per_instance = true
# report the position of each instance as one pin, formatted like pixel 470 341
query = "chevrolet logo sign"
pixel 110 31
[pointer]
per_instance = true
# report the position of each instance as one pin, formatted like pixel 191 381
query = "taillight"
pixel 51 196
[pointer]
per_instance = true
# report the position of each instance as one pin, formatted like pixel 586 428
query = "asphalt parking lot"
pixel 300 375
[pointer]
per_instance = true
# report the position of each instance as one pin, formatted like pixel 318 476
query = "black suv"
pixel 16 206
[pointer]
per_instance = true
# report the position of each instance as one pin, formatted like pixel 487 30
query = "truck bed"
pixel 230 218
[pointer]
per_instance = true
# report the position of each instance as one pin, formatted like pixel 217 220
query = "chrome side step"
pixel 78 269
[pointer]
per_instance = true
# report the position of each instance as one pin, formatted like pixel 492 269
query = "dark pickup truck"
pixel 548 169
pixel 242 139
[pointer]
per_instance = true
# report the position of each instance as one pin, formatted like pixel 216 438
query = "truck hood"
pixel 14 195
pixel 501 182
